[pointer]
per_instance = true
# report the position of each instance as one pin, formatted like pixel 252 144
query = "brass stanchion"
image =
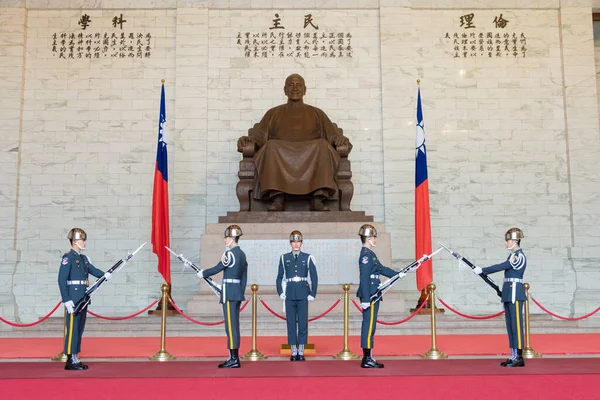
pixel 345 354
pixel 254 354
pixel 62 356
pixel 162 354
pixel 528 352
pixel 433 353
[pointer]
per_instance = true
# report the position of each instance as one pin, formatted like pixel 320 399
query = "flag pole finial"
pixel 162 81
pixel 418 82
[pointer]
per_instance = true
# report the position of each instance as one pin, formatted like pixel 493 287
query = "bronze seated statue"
pixel 294 159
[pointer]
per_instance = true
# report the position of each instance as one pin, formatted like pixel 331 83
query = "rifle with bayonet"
pixel 216 288
pixel 383 287
pixel 87 298
pixel 485 278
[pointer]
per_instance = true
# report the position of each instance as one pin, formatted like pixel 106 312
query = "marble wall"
pixel 512 139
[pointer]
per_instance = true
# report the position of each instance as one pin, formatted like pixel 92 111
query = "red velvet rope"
pixel 200 322
pixel 411 316
pixel 565 318
pixel 470 316
pixel 326 311
pixel 122 318
pixel 310 319
pixel 271 310
pixel 33 323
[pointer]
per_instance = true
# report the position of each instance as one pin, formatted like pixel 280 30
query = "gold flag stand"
pixel 62 356
pixel 528 352
pixel 433 353
pixel 345 354
pixel 163 354
pixel 254 354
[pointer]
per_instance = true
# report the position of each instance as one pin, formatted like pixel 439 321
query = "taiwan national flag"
pixel 422 220
pixel 160 197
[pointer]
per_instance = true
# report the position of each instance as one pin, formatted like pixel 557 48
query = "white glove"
pixel 107 276
pixel 200 274
pixel 365 305
pixel 401 275
pixel 477 270
pixel 310 298
pixel 282 296
pixel 70 306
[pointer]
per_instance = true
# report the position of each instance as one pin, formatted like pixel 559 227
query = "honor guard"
pixel 370 270
pixel 235 275
pixel 297 289
pixel 513 294
pixel 73 282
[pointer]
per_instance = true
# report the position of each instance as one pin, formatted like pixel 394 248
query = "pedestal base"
pixel 346 355
pixel 286 349
pixel 162 355
pixel 531 353
pixel 254 355
pixel 434 354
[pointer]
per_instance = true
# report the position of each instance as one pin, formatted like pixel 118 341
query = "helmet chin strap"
pixel 370 241
pixel 513 246
pixel 80 248
pixel 228 244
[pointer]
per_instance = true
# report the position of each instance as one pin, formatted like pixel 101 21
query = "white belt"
pixel 78 283
pixel 231 281
pixel 514 287
pixel 374 276
pixel 297 279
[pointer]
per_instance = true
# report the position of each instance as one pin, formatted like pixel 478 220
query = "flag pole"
pixel 160 210
pixel 422 212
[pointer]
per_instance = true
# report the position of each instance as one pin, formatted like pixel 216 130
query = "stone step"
pixel 147 326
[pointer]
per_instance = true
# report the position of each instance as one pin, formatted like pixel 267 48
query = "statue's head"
pixel 294 88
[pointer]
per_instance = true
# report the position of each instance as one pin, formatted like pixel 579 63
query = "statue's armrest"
pixel 343 150
pixel 248 148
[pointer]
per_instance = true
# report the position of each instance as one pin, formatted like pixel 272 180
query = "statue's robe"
pixel 295 154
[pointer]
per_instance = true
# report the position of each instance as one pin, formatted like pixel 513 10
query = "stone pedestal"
pixel 335 246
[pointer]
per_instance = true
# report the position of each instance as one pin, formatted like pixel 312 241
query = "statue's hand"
pixel 242 142
pixel 340 141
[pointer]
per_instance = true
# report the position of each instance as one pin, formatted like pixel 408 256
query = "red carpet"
pixel 442 379
pixel 285 369
pixel 132 347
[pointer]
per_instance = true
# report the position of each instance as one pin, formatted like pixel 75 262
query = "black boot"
pixel 517 362
pixel 368 361
pixel 233 361
pixel 71 365
pixel 505 363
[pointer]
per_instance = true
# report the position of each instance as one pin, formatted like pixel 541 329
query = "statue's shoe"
pixel 317 205
pixel 276 206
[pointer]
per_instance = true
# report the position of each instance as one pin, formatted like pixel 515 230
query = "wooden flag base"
pixel 427 309
pixel 171 311
pixel 286 349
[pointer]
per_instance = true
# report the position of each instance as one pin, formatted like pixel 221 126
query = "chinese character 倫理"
pixel 500 22
pixel 467 21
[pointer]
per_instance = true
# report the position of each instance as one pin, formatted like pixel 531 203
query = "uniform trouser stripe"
pixel 371 317
pixel 518 318
pixel 70 334
pixel 230 333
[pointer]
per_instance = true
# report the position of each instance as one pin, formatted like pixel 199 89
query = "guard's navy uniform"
pixel 235 276
pixel 513 294
pixel 297 269
pixel 73 282
pixel 370 270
